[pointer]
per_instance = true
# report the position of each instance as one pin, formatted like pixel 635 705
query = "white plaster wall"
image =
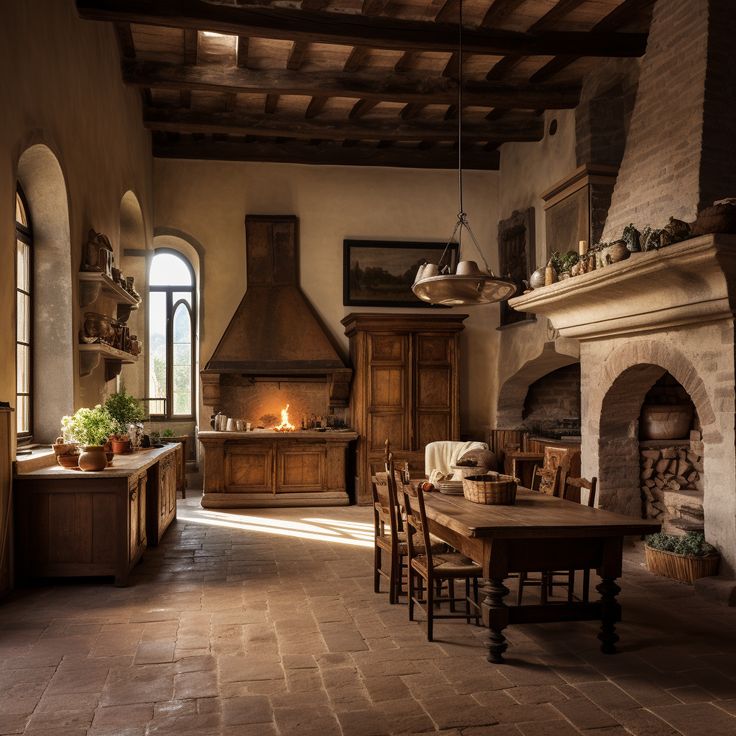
pixel 527 169
pixel 60 85
pixel 209 201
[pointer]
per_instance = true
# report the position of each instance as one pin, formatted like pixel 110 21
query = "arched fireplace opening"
pixel 671 458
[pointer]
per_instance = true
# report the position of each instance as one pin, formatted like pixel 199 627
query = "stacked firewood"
pixel 673 468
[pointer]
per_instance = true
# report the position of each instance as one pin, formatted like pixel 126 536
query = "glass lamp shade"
pixel 468 286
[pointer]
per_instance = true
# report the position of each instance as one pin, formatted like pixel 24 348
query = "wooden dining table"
pixel 539 533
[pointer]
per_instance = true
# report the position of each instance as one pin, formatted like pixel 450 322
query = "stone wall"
pixel 679 151
pixel 553 398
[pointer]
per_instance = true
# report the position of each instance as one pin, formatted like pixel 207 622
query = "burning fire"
pixel 286 425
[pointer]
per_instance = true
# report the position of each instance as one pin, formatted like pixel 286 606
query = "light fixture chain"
pixel 460 111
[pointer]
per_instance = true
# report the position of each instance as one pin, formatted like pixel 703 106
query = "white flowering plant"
pixel 88 426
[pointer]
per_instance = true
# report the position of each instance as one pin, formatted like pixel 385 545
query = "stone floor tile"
pixel 645 691
pixel 307 722
pixel 697 719
pixel 583 714
pixel 155 652
pixel 549 728
pixel 642 722
pixel 607 695
pixel 532 694
pixel 12 724
pixel 122 716
pixel 246 710
pixel 195 685
pixel 691 694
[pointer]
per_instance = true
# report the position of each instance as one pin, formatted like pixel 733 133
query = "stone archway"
pixel 44 185
pixel 513 392
pixel 611 409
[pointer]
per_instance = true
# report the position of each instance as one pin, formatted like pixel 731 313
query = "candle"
pixel 583 247
pixel 550 275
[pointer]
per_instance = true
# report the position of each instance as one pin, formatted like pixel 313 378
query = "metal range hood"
pixel 275 331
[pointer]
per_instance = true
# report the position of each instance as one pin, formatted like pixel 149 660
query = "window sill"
pixel 40 457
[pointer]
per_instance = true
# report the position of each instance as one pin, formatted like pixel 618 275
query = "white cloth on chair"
pixel 439 457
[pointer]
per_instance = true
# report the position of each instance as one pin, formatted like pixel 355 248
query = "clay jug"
pixel 93 458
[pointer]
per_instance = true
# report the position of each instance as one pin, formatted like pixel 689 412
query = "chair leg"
pixel 430 609
pixel 451 593
pixel 570 585
pixel 376 568
pixel 467 600
pixel 477 602
pixel 438 592
pixel 392 580
pixel 410 576
pixel 586 586
pixel 522 582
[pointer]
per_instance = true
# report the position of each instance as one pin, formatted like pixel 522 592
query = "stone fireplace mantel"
pixel 686 283
pixel 671 311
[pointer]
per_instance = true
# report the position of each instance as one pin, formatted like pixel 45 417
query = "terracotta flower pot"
pixel 68 461
pixel 121 446
pixel 93 458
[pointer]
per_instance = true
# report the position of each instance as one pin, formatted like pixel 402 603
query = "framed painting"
pixel 380 273
pixel 516 257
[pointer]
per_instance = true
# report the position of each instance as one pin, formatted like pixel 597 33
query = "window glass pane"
pixel 23 415
pixel 157 348
pixel 168 269
pixel 181 296
pixel 23 256
pixel 23 369
pixel 20 211
pixel 23 323
pixel 182 356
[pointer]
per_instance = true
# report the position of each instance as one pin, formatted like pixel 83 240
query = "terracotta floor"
pixel 265 623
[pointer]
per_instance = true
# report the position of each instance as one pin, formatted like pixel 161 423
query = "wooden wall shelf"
pixel 91 355
pixel 94 283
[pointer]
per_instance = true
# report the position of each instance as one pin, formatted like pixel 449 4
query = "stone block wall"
pixel 661 167
pixel 553 398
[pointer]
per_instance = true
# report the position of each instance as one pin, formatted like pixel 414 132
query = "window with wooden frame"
pixel 171 331
pixel 23 319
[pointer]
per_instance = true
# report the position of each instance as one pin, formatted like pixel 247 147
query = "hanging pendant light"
pixel 468 284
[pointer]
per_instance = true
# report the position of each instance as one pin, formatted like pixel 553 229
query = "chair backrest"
pixel 547 481
pixel 416 521
pixel 393 483
pixel 573 486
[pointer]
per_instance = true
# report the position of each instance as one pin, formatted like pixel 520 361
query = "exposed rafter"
pixel 518 128
pixel 327 154
pixel 401 88
pixel 356 30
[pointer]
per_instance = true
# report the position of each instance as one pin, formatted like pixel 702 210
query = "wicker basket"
pixel 491 489
pixel 681 567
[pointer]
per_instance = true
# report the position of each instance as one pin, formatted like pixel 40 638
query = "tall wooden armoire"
pixel 405 387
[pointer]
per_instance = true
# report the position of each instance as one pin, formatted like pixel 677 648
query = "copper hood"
pixel 275 331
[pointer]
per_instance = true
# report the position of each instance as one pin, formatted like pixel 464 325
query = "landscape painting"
pixel 379 273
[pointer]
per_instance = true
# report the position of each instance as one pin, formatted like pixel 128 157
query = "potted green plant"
pixel 563 263
pixel 683 558
pixel 89 428
pixel 125 410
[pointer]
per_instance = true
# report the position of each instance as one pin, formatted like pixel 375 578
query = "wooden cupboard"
pixel 405 387
pixel 161 506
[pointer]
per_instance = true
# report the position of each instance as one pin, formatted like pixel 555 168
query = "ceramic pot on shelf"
pixel 121 446
pixel 93 458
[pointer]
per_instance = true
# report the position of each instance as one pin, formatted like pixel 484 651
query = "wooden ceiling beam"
pixel 401 88
pixel 360 108
pixel 499 11
pixel 329 153
pixel 374 7
pixel 356 30
pixel 516 128
pixel 243 48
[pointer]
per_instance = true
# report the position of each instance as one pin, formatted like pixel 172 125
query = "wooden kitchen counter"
pixel 268 468
pixel 71 523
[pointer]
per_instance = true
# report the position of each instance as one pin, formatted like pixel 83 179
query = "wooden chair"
pixel 431 569
pixel 546 481
pixel 388 537
pixel 547 582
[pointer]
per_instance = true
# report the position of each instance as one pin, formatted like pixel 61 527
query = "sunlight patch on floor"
pixel 320 530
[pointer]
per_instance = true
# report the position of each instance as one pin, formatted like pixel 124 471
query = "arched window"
pixel 171 331
pixel 23 319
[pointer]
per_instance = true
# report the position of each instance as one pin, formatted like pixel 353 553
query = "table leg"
pixel 498 618
pixel 610 614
